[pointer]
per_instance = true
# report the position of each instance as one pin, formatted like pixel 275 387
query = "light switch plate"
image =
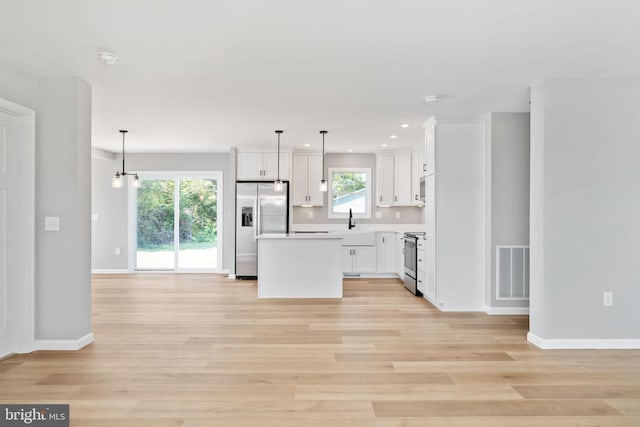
pixel 95 217
pixel 310 214
pixel 378 214
pixel 397 214
pixel 607 299
pixel 52 223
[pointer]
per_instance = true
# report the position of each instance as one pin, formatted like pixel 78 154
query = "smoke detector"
pixel 108 58
pixel 431 99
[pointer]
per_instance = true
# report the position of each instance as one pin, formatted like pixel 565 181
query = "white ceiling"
pixel 204 75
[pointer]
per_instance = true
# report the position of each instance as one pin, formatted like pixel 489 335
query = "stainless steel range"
pixel 411 262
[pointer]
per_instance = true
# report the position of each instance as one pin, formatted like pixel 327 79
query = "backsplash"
pixel 408 215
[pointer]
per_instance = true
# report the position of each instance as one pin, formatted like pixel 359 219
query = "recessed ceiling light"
pixel 108 58
pixel 384 145
pixel 350 150
pixel 393 136
pixel 404 125
pixel 307 145
pixel 430 99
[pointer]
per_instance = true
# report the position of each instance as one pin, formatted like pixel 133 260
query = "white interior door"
pixel 8 226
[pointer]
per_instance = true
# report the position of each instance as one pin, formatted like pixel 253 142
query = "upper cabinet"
pixel 417 171
pixel 307 173
pixel 384 180
pixel 393 179
pixel 430 147
pixel 263 166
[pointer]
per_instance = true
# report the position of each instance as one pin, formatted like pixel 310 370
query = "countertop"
pixel 300 236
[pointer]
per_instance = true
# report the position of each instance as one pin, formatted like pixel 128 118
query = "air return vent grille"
pixel 512 272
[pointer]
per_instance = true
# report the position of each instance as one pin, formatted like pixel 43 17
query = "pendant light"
pixel 116 181
pixel 277 185
pixel 323 182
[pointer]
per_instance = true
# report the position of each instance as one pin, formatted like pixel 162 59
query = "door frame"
pixel 24 252
pixel 133 218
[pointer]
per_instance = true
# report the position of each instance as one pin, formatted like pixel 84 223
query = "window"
pixel 349 188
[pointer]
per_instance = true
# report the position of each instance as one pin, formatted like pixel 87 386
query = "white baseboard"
pixel 582 344
pixel 64 344
pixel 110 271
pixel 507 311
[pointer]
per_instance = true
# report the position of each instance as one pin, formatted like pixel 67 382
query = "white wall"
pixel 585 206
pixel 111 204
pixel 460 213
pixel 508 148
pixel 63 143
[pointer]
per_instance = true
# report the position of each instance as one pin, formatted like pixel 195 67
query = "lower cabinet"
pixel 386 248
pixel 421 273
pixel 400 255
pixel 358 259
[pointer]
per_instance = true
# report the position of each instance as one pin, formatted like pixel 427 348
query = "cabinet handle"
pixel 424 167
pixel 395 198
pixel 417 196
pixel 419 260
pixel 383 240
pixel 380 198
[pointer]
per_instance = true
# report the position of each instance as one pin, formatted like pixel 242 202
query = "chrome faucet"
pixel 351 225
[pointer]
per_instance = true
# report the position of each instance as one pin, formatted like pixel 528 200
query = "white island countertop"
pixel 300 265
pixel 300 236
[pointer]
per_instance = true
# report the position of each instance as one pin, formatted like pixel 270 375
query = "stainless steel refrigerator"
pixel 259 210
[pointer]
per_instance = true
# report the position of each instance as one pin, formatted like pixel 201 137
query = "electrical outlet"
pixel 607 299
pixel 310 214
pixel 52 223
pixel 397 214
pixel 95 217
pixel 378 214
pixel 117 251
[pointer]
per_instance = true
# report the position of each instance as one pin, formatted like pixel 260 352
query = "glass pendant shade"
pixel 136 181
pixel 323 186
pixel 277 185
pixel 116 181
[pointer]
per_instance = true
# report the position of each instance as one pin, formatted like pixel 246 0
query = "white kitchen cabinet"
pixel 400 255
pixel 307 173
pixel 430 147
pixel 421 264
pixel 393 179
pixel 417 172
pixel 402 180
pixel 384 180
pixel 358 259
pixel 430 242
pixel 263 166
pixel 386 252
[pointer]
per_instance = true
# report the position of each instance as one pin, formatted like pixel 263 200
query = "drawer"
pixel 421 261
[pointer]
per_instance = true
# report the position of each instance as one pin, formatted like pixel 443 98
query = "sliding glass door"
pixel 177 223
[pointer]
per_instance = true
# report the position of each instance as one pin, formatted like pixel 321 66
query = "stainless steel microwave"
pixel 422 189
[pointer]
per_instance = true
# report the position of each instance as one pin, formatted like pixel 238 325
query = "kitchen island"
pixel 300 265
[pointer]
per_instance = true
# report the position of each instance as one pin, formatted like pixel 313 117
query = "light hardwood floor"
pixel 201 350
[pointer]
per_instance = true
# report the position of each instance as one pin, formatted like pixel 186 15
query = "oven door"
pixel 410 255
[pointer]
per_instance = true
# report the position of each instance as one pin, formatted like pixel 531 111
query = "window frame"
pixel 369 180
